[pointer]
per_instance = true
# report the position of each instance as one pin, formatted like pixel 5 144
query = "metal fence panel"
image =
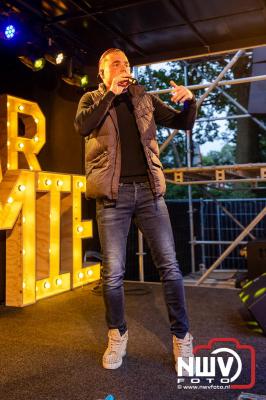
pixel 218 226
pixel 211 224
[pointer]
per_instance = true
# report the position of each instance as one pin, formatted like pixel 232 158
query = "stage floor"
pixel 53 349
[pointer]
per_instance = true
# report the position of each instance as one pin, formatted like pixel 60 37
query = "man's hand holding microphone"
pixel 121 82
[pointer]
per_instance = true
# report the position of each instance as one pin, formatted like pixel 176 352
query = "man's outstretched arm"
pixel 165 115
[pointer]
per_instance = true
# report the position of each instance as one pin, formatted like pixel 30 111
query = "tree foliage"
pixel 216 105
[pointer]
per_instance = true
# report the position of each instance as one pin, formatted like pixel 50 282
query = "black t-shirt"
pixel 133 160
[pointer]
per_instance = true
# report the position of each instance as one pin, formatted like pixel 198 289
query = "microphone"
pixel 132 81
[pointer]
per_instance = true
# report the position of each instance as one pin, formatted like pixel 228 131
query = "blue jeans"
pixel 135 200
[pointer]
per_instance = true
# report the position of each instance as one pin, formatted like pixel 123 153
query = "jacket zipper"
pixel 149 162
pixel 117 142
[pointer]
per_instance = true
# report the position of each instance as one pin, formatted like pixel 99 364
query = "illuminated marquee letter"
pixel 52 281
pixel 81 230
pixel 41 212
pixel 34 132
pixel 17 214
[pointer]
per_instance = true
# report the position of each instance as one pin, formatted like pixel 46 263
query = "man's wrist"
pixel 188 103
pixel 192 100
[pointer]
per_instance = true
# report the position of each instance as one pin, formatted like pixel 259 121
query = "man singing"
pixel 126 177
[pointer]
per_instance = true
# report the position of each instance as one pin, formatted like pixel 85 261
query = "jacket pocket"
pixel 98 162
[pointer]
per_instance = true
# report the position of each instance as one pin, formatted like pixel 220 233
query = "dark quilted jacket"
pixel 96 120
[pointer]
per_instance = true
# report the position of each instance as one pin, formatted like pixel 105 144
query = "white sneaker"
pixel 183 348
pixel 116 349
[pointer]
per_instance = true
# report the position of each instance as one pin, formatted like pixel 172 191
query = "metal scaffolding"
pixel 214 174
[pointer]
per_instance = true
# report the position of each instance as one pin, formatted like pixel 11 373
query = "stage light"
pixel 84 81
pixel 55 59
pixel 54 54
pixel 59 58
pixel 10 31
pixel 77 80
pixel 36 64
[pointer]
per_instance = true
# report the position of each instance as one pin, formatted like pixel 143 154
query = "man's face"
pixel 114 64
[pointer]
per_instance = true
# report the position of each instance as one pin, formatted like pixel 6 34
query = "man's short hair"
pixel 109 51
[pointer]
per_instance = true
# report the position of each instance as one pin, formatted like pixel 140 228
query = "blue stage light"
pixel 10 32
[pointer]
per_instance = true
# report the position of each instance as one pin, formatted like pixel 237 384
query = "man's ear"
pixel 100 76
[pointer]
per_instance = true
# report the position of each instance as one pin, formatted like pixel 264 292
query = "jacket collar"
pixel 102 88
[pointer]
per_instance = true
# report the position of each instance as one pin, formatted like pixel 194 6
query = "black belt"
pixel 132 179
